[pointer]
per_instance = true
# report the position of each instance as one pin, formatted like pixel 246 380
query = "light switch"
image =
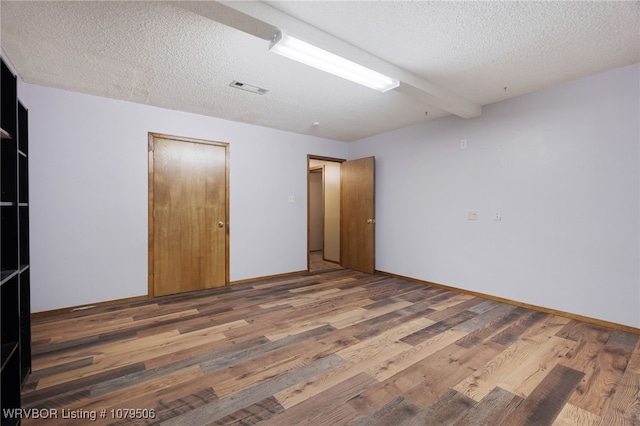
pixel 472 215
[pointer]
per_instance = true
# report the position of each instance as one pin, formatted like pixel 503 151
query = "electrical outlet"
pixel 292 198
pixel 463 144
pixel 497 217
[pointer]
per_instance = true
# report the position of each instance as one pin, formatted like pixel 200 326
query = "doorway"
pixel 344 236
pixel 323 213
pixel 188 214
pixel 316 210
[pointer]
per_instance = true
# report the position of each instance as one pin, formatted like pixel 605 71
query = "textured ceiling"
pixel 177 55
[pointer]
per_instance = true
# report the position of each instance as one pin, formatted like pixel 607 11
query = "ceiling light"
pixel 298 50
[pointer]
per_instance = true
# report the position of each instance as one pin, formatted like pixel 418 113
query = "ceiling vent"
pixel 248 87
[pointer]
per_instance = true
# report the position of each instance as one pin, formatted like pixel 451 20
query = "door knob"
pixel 370 221
pixel 220 224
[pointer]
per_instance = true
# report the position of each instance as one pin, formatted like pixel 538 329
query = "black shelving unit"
pixel 15 305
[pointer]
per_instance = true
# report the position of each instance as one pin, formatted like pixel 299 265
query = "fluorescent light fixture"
pixel 301 51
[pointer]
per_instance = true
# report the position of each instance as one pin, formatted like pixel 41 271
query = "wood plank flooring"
pixel 331 348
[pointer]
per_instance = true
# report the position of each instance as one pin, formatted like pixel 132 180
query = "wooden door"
pixel 357 215
pixel 188 221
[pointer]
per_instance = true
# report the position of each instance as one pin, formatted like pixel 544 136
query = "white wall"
pixel 88 181
pixel 561 166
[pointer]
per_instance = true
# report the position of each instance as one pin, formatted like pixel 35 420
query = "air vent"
pixel 248 87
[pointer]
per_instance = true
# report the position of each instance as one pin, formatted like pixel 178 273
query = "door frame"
pixel 152 136
pixel 320 158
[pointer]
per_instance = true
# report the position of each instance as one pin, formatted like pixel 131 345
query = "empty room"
pixel 320 212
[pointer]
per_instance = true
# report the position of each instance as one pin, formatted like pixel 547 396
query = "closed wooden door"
pixel 189 215
pixel 357 217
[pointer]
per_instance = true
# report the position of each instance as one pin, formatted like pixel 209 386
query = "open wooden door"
pixel 357 217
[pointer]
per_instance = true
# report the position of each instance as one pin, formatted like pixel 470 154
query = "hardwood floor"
pixel 331 348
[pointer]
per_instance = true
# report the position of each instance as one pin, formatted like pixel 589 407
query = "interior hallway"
pixel 318 264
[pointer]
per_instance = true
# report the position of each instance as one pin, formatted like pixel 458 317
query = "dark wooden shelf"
pixel 7 274
pixel 15 305
pixel 9 99
pixel 8 349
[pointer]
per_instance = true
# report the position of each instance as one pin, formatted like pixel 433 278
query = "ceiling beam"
pixel 263 21
pixel 226 15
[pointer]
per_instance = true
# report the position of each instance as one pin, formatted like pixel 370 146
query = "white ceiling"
pixel 452 57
